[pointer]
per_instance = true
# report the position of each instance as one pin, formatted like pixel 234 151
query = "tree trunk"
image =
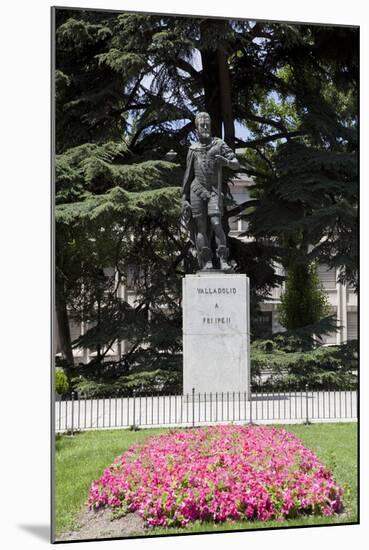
pixel 210 76
pixel 63 323
pixel 217 82
pixel 225 90
pixel 98 357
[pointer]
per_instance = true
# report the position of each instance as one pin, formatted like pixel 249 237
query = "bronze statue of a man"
pixel 202 200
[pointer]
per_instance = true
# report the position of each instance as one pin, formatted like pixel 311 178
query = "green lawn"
pixel 81 459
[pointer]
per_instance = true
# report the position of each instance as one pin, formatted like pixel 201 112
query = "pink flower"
pixel 218 473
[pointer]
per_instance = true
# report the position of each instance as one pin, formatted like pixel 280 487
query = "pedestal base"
pixel 216 333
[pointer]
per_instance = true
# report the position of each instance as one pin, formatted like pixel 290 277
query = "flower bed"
pixel 215 474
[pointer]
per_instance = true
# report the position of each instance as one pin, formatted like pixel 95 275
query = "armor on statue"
pixel 202 194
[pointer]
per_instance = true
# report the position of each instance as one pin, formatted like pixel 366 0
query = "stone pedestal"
pixel 216 333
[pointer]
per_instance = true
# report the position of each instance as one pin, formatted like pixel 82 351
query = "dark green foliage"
pixel 307 184
pixel 117 198
pixel 305 338
pixel 303 302
pixel 127 216
pixel 158 382
pixel 127 89
pixel 325 367
pixel 143 372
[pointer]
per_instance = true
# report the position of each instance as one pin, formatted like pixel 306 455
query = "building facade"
pixel 342 298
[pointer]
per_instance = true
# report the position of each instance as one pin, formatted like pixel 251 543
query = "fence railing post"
pixel 72 415
pixel 307 421
pixel 193 407
pixel 250 399
pixel 72 419
pixel 59 408
pixel 134 409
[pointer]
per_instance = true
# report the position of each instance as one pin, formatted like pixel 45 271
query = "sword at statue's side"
pixel 231 163
pixel 220 200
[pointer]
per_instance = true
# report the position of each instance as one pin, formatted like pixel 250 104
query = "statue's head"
pixel 203 126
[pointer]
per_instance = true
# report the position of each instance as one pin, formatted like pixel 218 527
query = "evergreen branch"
pixel 240 207
pixel 264 120
pixel 186 129
pixel 108 347
pixel 132 350
pixel 287 135
pixel 135 106
pixel 188 68
pixel 265 158
pixel 240 142
pixel 251 172
pixel 135 88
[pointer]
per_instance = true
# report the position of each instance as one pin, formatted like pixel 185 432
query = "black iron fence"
pixel 193 409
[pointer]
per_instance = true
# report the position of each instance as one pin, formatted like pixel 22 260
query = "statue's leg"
pixel 218 230
pixel 221 240
pixel 202 243
pixel 201 237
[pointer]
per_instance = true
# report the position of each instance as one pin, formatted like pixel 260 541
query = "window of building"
pixel 327 277
pixel 233 224
pixel 330 338
pixel 351 325
pixel 244 225
pixel 75 329
pixel 134 275
pixel 263 325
